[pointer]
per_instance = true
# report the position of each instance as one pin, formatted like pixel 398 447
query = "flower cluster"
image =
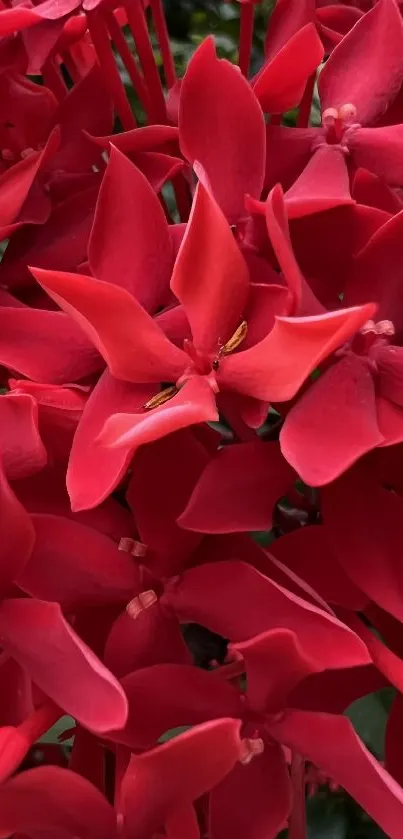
pixel 201 418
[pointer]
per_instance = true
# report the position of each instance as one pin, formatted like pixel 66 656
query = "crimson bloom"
pixel 349 104
pixel 156 791
pixel 215 305
pixel 241 801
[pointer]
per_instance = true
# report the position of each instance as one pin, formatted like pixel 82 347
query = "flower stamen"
pixel 160 398
pixel 233 343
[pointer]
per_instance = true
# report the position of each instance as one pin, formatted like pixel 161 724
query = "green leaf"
pixel 173 732
pixel 369 717
pixel 62 725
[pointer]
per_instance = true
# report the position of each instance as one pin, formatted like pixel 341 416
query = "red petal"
pixel 289 150
pixel 253 800
pixel 191 696
pixel 253 604
pixel 304 301
pixel 369 189
pixel 141 637
pixel 183 823
pixel 16 702
pixel 334 690
pixel 378 149
pixel 393 739
pixel 275 663
pixel 54 801
pixel 132 344
pixel 289 16
pixel 23 452
pixel 36 634
pixel 176 773
pixel 158 168
pixel 390 421
pixel 348 505
pixel 334 22
pixel 263 304
pixel 45 346
pixel 275 369
pixel 86 108
pixel 333 424
pixel 331 743
pixel 16 182
pixel 157 494
pixel 238 490
pixel 140 139
pixel 94 472
pixel 221 126
pixel 193 403
pixel 366 68
pixel 309 553
pixel 376 273
pixel 210 276
pixel 281 81
pixel 77 566
pixel 17 536
pixel 61 243
pixel 389 362
pixel 323 184
pixel 130 243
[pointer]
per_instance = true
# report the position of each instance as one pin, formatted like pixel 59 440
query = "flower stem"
pixel 138 26
pixel 246 36
pixel 163 40
pixel 297 820
pixel 113 83
pixel 124 51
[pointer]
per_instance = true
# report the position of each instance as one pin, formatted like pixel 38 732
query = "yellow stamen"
pixel 236 339
pixel 160 398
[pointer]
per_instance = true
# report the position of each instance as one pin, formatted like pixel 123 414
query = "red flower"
pixel 242 800
pixel 136 350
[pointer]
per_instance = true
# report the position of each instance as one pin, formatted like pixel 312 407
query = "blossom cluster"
pixel 201 418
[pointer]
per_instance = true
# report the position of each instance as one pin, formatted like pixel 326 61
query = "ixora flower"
pixel 210 280
pixel 256 794
pixel 352 101
pixel 356 405
pixel 156 791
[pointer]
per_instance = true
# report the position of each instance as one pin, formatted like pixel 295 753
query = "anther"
pixel 250 748
pixel 236 339
pixel 132 546
pixel 347 112
pixel 160 398
pixel 329 116
pixel 143 601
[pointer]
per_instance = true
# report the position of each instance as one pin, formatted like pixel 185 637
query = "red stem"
pixel 124 51
pixel 163 40
pixel 304 112
pixel 297 820
pixel 246 36
pixel 113 82
pixel 138 26
pixel 53 79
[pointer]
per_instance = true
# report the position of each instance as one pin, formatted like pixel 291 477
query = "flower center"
pixel 143 601
pixel 368 340
pixel 338 123
pixel 203 364
pixel 250 748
